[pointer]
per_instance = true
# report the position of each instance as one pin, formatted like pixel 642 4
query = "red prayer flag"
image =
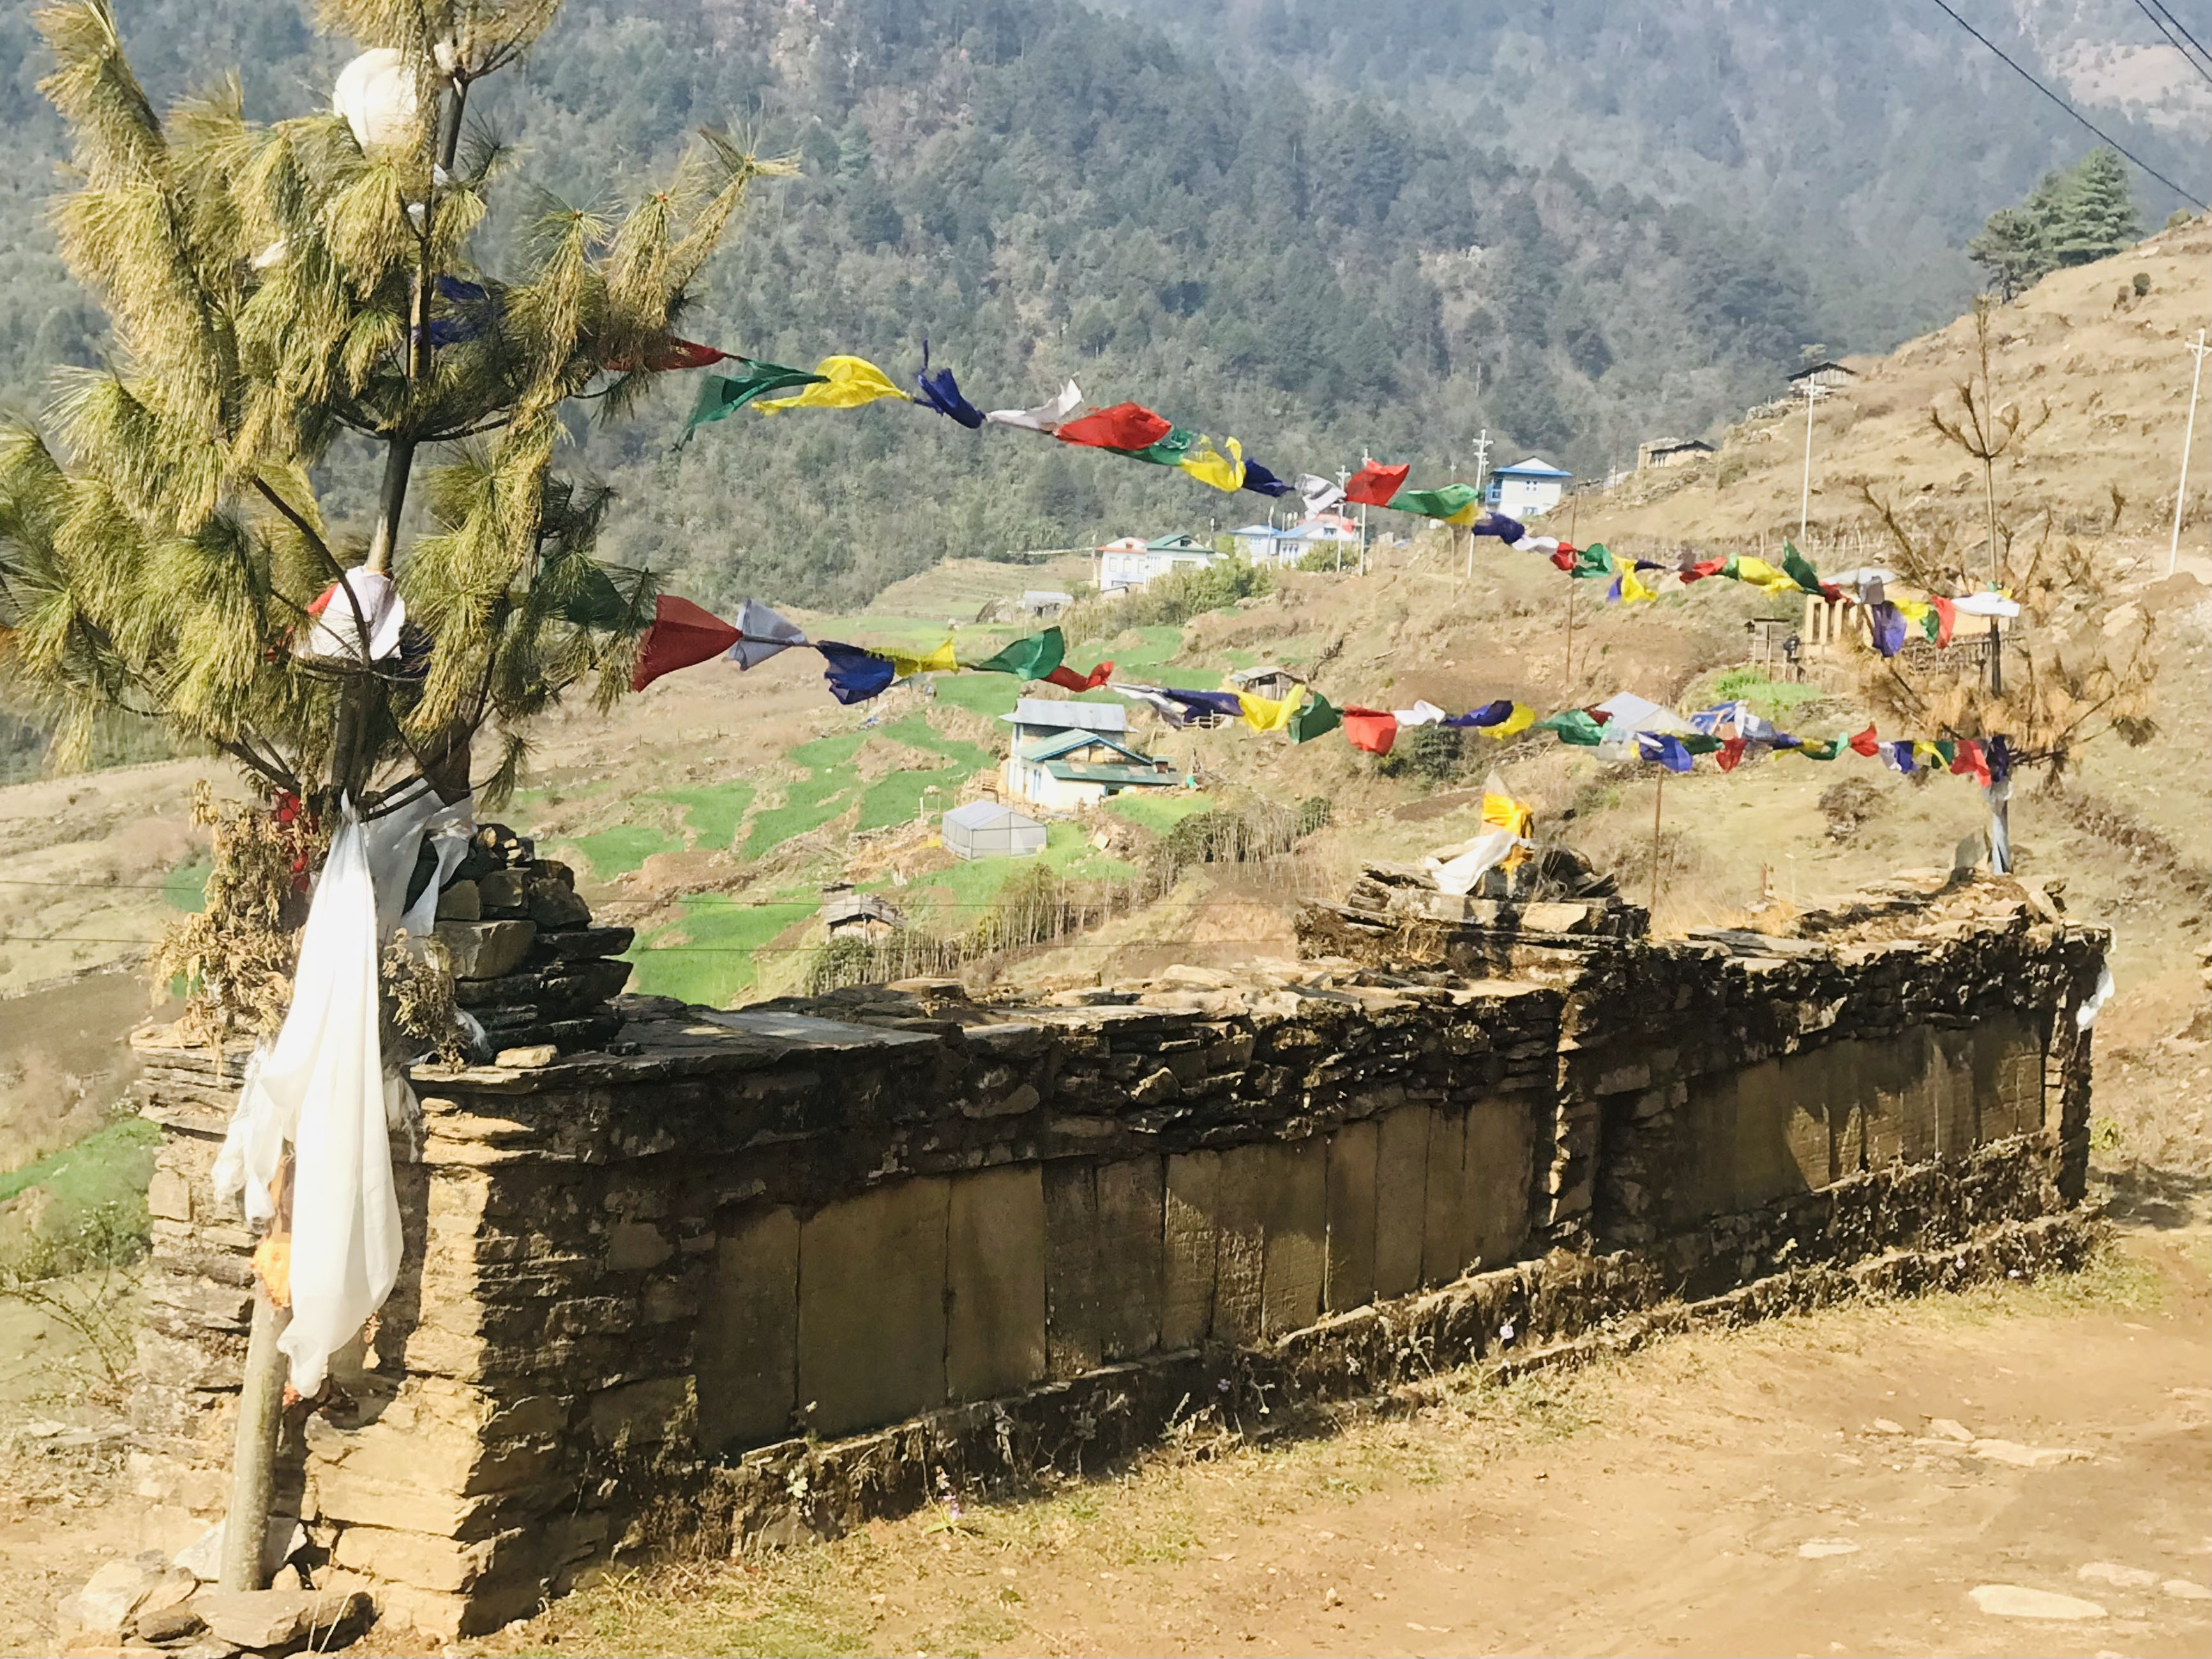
pixel 1867 743
pixel 1731 751
pixel 681 635
pixel 1372 729
pixel 1069 680
pixel 1373 484
pixel 1564 558
pixel 1125 426
pixel 1702 569
pixel 1947 618
pixel 671 354
pixel 1969 763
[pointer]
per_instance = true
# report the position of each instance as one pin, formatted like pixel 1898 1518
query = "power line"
pixel 2180 27
pixel 2160 23
pixel 2030 80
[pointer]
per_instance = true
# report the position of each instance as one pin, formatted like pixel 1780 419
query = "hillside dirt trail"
pixel 1738 1497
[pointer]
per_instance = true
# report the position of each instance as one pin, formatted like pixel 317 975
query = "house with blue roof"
pixel 1527 489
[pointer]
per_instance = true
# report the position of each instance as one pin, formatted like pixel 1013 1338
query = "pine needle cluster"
pixel 271 288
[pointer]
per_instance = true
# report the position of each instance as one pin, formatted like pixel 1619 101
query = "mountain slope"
pixel 1038 191
pixel 1873 135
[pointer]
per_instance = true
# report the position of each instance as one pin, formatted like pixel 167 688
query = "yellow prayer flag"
pixel 846 383
pixel 1520 720
pixel 1916 611
pixel 1467 516
pixel 1501 811
pixel 1634 590
pixel 1210 466
pixel 1924 751
pixel 1270 713
pixel 939 661
pixel 1763 576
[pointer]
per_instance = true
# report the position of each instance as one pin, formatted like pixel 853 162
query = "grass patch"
pixel 108 1166
pixel 714 962
pixel 826 790
pixel 185 887
pixel 713 812
pixel 1157 810
pixel 623 846
pixel 1772 698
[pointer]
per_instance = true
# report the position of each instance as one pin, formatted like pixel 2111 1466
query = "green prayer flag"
pixel 1030 659
pixel 1573 725
pixel 1592 562
pixel 1312 718
pixel 1800 569
pixel 1699 743
pixel 1168 452
pixel 1435 503
pixel 725 394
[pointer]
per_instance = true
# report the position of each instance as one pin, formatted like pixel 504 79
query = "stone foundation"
pixel 768 1271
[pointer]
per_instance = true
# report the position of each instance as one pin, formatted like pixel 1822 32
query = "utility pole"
pixel 2197 349
pixel 1805 492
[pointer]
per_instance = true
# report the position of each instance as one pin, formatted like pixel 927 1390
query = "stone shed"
pixel 751 1275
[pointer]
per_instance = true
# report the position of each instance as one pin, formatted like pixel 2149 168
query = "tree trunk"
pixel 253 1461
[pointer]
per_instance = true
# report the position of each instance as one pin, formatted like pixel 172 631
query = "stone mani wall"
pixel 699 1283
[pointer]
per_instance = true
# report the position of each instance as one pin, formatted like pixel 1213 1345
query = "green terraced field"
pixel 622 847
pixel 716 964
pixel 713 812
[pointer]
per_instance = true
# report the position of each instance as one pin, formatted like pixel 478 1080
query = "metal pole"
pixel 1658 799
pixel 253 1461
pixel 1567 667
pixel 1805 492
pixel 2188 435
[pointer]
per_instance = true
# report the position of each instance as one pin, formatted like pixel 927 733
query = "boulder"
pixel 486 950
pixel 102 1610
pixel 462 901
pixel 284 1619
pixel 552 905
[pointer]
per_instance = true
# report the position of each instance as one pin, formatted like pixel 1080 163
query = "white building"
pixel 1264 544
pixel 1131 562
pixel 1068 755
pixel 1527 489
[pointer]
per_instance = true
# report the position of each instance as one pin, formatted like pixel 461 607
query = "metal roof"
pixel 988 815
pixel 1054 747
pixel 1081 772
pixel 1068 716
pixel 1533 467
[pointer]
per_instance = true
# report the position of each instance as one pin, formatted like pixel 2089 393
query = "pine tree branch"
pixel 300 523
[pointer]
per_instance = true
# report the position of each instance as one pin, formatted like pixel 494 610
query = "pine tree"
pixel 277 292
pixel 2012 246
pixel 2095 217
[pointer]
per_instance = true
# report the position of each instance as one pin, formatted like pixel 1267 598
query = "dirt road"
pixel 1838 1484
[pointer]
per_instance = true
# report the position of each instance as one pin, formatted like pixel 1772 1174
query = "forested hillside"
pixel 1872 136
pixel 1040 191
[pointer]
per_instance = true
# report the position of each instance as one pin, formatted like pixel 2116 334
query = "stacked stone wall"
pixel 772 1269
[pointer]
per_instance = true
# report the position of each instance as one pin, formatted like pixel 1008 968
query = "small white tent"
pixel 985 829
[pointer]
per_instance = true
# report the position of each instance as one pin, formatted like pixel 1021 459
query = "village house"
pixel 1670 452
pixel 1069 755
pixel 1132 561
pixel 1527 489
pixel 1263 544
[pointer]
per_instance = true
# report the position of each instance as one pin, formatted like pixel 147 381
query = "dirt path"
pixel 1747 1502
pixel 1794 1488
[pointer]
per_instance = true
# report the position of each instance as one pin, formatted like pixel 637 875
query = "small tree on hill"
pixel 2053 680
pixel 2096 217
pixel 2070 218
pixel 282 297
